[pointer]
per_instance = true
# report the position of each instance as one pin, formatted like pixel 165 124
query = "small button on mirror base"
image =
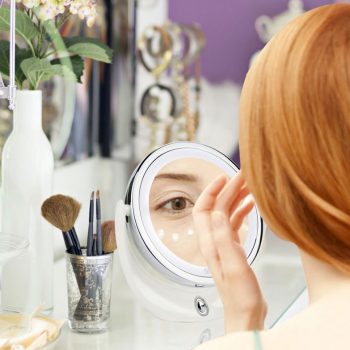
pixel 201 306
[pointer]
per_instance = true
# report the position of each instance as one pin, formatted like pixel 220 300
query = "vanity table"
pixel 132 327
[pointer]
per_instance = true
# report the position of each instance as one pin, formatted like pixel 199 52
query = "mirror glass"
pixel 174 192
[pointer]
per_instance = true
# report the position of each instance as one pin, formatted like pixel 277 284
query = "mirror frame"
pixel 140 225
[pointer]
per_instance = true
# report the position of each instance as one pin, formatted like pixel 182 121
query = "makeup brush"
pixel 91 226
pixel 94 245
pixel 98 225
pixel 109 243
pixel 75 206
pixel 62 211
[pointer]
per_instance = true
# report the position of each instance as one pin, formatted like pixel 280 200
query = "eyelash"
pixel 176 212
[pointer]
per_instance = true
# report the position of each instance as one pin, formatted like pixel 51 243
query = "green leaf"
pixel 21 54
pixel 37 70
pixel 63 71
pixel 74 63
pixel 4 58
pixel 24 25
pixel 89 48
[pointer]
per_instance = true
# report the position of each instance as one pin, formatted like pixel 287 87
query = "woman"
pixel 295 155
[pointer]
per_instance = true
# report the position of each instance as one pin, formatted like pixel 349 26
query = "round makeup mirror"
pixel 157 242
pixel 174 192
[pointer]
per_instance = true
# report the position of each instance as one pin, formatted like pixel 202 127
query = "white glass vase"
pixel 27 180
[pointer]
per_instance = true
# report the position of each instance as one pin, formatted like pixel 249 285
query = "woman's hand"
pixel 218 215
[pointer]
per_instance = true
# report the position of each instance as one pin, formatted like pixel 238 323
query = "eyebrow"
pixel 177 176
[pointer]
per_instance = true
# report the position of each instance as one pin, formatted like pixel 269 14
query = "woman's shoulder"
pixel 316 327
pixel 274 339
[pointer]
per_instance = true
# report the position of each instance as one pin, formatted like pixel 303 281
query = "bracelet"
pixel 165 52
pixel 197 42
pixel 146 101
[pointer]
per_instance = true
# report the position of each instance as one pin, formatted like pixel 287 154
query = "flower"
pixel 85 9
pixel 74 7
pixel 60 7
pixel 31 3
pixel 48 10
pixel 91 21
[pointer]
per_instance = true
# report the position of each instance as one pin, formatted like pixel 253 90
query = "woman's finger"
pixel 207 247
pixel 229 193
pixel 239 215
pixel 231 255
pixel 243 193
pixel 207 198
pixel 202 223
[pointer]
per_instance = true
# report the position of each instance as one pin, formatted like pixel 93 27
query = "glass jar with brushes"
pixel 90 268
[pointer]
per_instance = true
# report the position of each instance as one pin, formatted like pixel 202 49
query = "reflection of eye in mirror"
pixel 174 192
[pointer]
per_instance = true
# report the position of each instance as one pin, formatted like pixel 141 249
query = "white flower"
pixel 31 3
pixel 85 9
pixel 48 10
pixel 91 21
pixel 60 8
pixel 74 7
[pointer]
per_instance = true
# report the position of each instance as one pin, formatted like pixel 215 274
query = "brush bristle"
pixel 109 243
pixel 61 211
pixel 98 194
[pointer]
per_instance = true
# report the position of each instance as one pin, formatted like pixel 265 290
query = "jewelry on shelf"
pixel 150 111
pixel 172 51
pixel 196 40
pixel 161 55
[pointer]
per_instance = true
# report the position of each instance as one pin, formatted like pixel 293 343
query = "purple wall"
pixel 229 26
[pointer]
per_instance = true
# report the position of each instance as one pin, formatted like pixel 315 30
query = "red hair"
pixel 295 133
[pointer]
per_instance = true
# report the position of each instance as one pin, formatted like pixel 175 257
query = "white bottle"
pixel 27 180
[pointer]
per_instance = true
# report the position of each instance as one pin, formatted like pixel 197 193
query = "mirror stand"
pixel 163 297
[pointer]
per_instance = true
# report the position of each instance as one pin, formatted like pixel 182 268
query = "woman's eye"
pixel 177 204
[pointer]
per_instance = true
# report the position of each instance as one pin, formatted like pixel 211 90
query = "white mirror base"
pixel 163 297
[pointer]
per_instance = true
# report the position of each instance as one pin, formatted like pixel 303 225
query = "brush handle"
pixel 98 227
pixel 90 240
pixel 99 250
pixel 76 242
pixel 69 243
pixel 94 246
pixel 91 228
